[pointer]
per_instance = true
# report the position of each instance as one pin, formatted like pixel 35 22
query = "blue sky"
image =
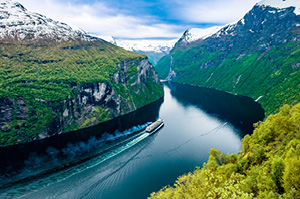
pixel 141 18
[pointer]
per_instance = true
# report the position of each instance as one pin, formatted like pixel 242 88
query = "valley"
pixel 254 57
pixel 75 104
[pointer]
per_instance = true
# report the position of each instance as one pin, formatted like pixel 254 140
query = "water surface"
pixel 196 120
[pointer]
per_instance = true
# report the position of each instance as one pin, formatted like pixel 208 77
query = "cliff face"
pixel 54 79
pixel 26 118
pixel 257 57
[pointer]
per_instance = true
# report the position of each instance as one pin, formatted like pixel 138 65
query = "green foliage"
pixel 292 175
pixel 37 76
pixel 273 75
pixel 163 67
pixel 267 167
pixel 277 172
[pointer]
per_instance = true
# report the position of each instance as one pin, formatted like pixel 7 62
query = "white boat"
pixel 155 126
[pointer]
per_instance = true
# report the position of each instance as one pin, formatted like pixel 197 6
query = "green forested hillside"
pixel 258 56
pixel 40 83
pixel 46 68
pixel 274 75
pixel 267 167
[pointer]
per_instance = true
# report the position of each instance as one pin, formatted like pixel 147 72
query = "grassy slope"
pixel 275 75
pixel 267 167
pixel 40 63
pixel 40 73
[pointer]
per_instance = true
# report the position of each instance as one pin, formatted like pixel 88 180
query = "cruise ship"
pixel 155 126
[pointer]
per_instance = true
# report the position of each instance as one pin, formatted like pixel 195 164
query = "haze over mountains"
pixel 154 49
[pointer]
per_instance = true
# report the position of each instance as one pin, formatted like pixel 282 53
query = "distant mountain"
pixel 154 49
pixel 258 56
pixel 56 79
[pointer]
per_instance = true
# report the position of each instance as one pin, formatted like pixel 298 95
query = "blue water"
pixel 139 164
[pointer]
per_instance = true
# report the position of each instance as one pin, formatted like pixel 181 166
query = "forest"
pixel 38 76
pixel 272 76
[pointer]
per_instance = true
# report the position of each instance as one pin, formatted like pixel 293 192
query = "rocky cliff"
pixel 55 79
pixel 258 56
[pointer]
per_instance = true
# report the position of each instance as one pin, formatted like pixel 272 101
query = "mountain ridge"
pixel 256 57
pixel 20 24
pixel 54 79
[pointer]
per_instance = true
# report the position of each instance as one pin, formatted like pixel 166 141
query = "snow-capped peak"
pixel 194 34
pixel 281 4
pixel 16 22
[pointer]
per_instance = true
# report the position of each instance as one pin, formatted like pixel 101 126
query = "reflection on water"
pixel 15 158
pixel 240 111
pixel 195 121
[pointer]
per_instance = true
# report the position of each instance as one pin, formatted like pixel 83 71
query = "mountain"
pixel 154 49
pixel 56 79
pixel 258 56
pixel 194 34
pixel 20 24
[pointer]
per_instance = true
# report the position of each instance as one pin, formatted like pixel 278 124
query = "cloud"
pixel 216 11
pixel 99 19
pixel 142 18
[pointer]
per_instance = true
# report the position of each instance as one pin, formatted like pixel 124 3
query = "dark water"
pixel 196 120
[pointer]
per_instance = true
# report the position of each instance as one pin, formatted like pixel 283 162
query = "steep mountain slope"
pixel 154 49
pixel 259 56
pixel 55 79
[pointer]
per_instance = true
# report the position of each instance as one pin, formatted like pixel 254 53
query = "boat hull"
pixel 156 129
pixel 155 126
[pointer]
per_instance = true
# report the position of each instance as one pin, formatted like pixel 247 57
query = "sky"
pixel 141 19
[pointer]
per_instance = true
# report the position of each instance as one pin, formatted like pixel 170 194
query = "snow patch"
pixel 110 39
pixel 17 22
pixel 195 34
pixel 242 21
pixel 282 4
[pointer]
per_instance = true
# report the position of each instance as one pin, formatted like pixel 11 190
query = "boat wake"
pixel 108 151
pixel 215 130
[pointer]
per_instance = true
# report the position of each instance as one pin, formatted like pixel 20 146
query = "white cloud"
pixel 217 11
pixel 101 20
